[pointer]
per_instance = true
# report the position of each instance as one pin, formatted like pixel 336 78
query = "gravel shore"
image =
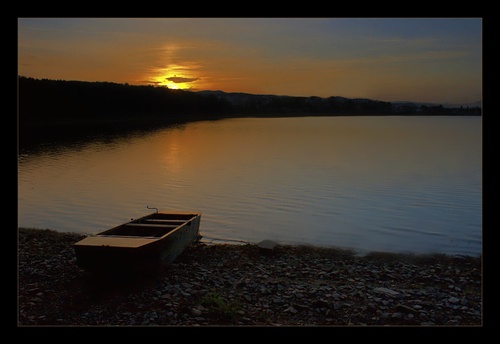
pixel 244 285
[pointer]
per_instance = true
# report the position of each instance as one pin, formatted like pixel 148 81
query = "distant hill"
pixel 265 104
pixel 476 104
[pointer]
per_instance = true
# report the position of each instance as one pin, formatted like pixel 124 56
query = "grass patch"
pixel 217 308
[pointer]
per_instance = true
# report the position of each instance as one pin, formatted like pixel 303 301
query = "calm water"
pixel 398 184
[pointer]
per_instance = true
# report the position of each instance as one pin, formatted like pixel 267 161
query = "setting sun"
pixel 174 77
pixel 172 86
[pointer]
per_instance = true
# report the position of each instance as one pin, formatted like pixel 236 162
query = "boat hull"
pixel 145 244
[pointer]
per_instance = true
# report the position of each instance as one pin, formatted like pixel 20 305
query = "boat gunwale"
pixel 139 237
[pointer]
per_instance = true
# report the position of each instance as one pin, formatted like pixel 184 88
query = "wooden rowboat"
pixel 145 243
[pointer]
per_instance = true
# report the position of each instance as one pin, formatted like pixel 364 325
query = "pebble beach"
pixel 247 285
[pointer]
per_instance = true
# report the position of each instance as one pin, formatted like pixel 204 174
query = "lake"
pixel 369 183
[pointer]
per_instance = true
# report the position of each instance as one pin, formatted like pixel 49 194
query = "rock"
pixel 267 245
pixel 195 312
pixel 386 291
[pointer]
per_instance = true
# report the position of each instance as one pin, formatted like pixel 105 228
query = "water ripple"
pixel 371 183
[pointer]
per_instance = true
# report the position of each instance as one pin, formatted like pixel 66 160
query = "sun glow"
pixel 176 77
pixel 173 86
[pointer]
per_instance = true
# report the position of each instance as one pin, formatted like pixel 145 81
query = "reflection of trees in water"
pixel 78 136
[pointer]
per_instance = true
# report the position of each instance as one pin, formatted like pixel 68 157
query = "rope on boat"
pixel 228 240
pixel 152 208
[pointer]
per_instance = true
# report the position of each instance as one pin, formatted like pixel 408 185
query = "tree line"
pixel 44 100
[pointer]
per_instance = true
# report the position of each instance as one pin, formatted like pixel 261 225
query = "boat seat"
pixel 164 221
pixel 150 225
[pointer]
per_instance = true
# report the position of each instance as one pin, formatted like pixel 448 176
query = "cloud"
pixel 180 79
pixel 150 82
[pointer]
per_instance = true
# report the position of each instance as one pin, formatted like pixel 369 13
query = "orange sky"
pixel 429 60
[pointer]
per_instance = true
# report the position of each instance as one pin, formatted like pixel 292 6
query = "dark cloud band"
pixel 179 79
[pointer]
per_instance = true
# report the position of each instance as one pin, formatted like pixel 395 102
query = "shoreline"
pixel 358 252
pixel 242 285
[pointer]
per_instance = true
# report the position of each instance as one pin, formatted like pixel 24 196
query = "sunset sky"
pixel 422 60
